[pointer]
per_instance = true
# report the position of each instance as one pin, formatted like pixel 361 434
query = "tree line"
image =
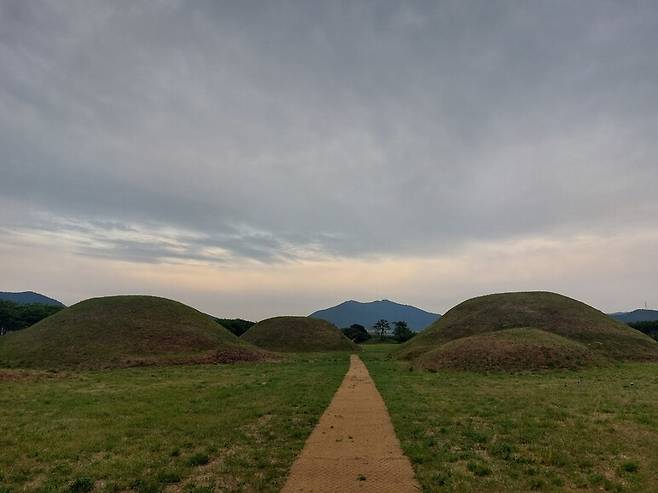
pixel 236 325
pixel 15 316
pixel 399 332
pixel 650 328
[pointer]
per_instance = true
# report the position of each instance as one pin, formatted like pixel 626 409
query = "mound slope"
pixel 474 324
pixel 509 349
pixel 296 334
pixel 119 331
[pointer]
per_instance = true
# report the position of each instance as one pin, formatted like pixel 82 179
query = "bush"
pixel 146 486
pixel 501 450
pixel 402 332
pixel 81 485
pixel 168 477
pixel 478 469
pixel 236 325
pixel 356 333
pixel 199 459
pixel 630 466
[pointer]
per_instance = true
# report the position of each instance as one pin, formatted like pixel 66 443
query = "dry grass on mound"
pixel 120 331
pixel 552 313
pixel 508 350
pixel 298 334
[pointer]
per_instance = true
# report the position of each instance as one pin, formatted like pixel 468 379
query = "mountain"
pixel 642 315
pixel 28 297
pixel 366 314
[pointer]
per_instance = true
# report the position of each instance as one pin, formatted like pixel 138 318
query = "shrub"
pixel 478 469
pixel 199 459
pixel 146 486
pixel 168 477
pixel 501 450
pixel 630 466
pixel 81 485
pixel 356 333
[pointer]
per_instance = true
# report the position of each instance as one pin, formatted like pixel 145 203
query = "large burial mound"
pixel 293 334
pixel 525 331
pixel 121 331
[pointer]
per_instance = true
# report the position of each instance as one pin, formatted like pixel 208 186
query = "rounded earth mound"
pixel 296 334
pixel 508 350
pixel 117 331
pixel 459 336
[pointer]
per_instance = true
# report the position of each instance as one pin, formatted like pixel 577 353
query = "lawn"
pixel 587 430
pixel 184 428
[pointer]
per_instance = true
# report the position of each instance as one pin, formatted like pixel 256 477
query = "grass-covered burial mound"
pixel 510 349
pixel 119 331
pixel 525 331
pixel 293 334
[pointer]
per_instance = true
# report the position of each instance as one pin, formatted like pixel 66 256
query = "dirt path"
pixel 353 447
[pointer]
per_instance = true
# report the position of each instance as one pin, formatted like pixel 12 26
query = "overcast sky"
pixel 263 158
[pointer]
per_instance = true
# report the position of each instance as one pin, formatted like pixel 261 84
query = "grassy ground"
pixel 590 430
pixel 186 428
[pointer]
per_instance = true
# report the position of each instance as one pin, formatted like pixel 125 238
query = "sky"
pixel 255 159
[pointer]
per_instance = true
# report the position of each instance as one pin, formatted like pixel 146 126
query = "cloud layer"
pixel 293 133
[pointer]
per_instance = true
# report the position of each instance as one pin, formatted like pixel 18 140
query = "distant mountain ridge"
pixel 28 297
pixel 366 314
pixel 640 315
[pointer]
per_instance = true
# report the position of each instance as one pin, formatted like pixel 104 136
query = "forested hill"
pixel 16 316
pixel 641 315
pixel 29 297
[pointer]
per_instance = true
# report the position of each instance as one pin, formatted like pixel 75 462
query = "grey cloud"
pixel 277 129
pixel 153 243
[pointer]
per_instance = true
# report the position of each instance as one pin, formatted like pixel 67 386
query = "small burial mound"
pixel 553 331
pixel 297 334
pixel 119 331
pixel 509 350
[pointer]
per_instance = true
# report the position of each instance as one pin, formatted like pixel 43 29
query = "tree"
pixel 381 328
pixel 356 332
pixel 650 328
pixel 15 316
pixel 402 332
pixel 236 325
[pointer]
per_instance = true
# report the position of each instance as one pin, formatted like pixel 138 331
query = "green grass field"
pixel 238 428
pixel 183 428
pixel 587 430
